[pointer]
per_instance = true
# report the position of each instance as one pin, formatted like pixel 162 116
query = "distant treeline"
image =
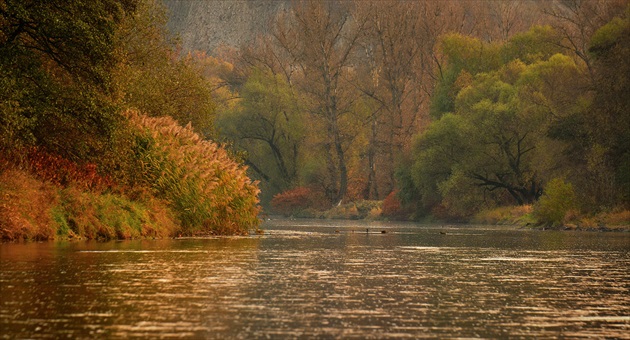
pixel 445 108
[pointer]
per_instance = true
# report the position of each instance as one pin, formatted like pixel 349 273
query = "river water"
pixel 323 279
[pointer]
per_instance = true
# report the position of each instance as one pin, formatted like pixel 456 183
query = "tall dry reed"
pixel 210 192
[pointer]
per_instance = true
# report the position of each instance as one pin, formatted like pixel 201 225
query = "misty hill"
pixel 206 24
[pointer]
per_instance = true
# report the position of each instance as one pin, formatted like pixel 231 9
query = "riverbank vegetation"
pixel 106 130
pixel 463 111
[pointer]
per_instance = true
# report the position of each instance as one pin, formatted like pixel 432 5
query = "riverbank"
pixel 167 181
pixel 517 216
pixel 38 210
pixel 33 209
pixel 524 216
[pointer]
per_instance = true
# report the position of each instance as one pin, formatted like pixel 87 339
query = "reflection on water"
pixel 314 279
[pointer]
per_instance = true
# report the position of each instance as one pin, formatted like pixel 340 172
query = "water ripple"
pixel 408 283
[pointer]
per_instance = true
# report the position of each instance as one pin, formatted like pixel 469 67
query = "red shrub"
pixel 293 200
pixel 442 212
pixel 58 170
pixel 392 207
pixel 26 207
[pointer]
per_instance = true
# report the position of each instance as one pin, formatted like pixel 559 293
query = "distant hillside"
pixel 206 24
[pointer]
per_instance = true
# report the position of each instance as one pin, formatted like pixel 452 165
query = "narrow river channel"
pixel 323 279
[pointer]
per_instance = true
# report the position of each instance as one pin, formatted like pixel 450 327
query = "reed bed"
pixel 208 190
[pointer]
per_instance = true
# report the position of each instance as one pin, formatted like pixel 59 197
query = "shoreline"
pixel 612 228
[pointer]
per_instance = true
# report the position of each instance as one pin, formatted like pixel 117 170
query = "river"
pixel 323 279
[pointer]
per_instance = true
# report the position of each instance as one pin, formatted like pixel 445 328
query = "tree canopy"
pixel 55 66
pixel 420 99
pixel 449 106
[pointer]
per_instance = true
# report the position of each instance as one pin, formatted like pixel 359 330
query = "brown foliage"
pixel 25 207
pixel 392 207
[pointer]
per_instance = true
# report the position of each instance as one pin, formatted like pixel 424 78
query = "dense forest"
pixel 439 109
pixel 448 110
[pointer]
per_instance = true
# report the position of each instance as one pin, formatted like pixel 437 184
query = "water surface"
pixel 323 279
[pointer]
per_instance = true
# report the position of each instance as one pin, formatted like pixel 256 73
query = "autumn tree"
pixel 390 78
pixel 321 39
pixel 221 77
pixel 607 125
pixel 577 21
pixel 403 66
pixel 153 77
pixel 498 21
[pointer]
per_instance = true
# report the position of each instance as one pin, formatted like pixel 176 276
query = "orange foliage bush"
pixel 392 205
pixel 33 209
pixel 290 201
pixel 442 212
pixel 25 207
pixel 620 217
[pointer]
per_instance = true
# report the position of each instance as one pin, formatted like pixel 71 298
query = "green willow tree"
pixel 496 147
pixel 268 128
pixel 488 146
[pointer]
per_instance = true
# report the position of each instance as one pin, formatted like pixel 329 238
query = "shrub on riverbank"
pixel 618 219
pixel 209 191
pixel 554 205
pixel 110 216
pixel 169 181
pixel 359 210
pixel 395 209
pixel 298 202
pixel 524 215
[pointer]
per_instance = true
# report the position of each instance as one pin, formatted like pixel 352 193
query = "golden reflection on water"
pixel 312 282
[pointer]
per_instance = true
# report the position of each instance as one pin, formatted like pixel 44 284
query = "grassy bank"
pixel 519 216
pixel 525 216
pixel 37 210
